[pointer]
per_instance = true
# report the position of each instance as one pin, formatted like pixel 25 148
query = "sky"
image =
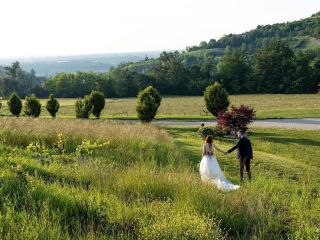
pixel 37 28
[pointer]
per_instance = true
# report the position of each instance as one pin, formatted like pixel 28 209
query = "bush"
pixel 83 107
pixel 216 99
pixel 32 106
pixel 155 94
pixel 52 106
pixel 15 104
pixel 213 131
pixel 237 118
pixel 148 103
pixel 98 103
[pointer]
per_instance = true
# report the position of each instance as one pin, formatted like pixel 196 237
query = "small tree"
pixel 15 104
pixel 98 103
pixel 32 106
pixel 216 99
pixel 83 107
pixel 238 118
pixel 52 106
pixel 148 103
pixel 154 93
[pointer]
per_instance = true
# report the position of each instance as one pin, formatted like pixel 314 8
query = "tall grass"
pixel 145 185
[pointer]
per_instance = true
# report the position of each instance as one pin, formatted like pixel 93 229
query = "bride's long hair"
pixel 209 139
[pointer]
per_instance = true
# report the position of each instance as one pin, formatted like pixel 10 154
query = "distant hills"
pixel 48 66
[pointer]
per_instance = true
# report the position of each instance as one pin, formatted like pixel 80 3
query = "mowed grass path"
pixel 285 170
pixel 266 105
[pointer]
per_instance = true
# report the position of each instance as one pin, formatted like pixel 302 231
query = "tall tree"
pixel 273 67
pixel 235 71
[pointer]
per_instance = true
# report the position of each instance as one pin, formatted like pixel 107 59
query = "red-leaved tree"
pixel 237 118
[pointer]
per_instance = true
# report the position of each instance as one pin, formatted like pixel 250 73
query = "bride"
pixel 210 170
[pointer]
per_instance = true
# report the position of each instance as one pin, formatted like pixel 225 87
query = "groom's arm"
pixel 233 148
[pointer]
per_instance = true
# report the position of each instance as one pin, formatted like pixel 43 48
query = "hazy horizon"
pixel 38 28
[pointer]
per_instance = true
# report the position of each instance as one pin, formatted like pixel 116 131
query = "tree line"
pixel 274 68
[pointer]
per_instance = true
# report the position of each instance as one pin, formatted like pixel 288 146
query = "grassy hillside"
pixel 266 105
pixel 137 182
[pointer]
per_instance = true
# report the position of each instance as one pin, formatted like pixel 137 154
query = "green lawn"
pixel 136 181
pixel 267 106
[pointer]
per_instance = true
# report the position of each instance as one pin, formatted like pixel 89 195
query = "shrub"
pixel 237 118
pixel 15 104
pixel 213 131
pixel 83 107
pixel 32 106
pixel 148 103
pixel 154 93
pixel 216 99
pixel 52 105
pixel 98 103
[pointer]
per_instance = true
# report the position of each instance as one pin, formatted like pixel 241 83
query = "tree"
pixel 16 80
pixel 52 105
pixel 83 107
pixel 154 93
pixel 216 99
pixel 148 103
pixel 171 74
pixel 235 71
pixel 15 104
pixel 237 118
pixel 273 67
pixel 32 106
pixel 98 102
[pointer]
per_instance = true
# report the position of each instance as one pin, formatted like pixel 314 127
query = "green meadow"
pixel 88 179
pixel 266 105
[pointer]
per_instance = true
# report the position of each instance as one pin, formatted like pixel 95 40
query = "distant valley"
pixel 48 66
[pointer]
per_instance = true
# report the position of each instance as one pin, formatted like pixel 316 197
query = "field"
pixel 267 106
pixel 84 179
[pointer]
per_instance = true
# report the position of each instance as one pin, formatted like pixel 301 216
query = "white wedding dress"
pixel 211 172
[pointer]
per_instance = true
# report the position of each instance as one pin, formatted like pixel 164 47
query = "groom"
pixel 244 153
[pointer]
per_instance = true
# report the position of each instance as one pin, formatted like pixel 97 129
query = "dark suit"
pixel 244 154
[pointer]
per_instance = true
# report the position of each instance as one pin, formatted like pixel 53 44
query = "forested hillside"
pixel 301 34
pixel 279 58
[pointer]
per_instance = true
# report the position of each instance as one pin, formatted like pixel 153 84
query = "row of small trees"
pixel 148 103
pixel 149 100
pixel 32 105
pixel 94 103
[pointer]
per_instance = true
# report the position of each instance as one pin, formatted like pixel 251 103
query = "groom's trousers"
pixel 245 163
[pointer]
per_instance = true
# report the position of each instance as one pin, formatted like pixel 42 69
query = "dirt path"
pixel 305 124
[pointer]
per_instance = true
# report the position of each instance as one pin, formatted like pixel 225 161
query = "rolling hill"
pixel 300 34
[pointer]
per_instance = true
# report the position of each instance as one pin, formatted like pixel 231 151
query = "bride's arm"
pixel 203 150
pixel 218 149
